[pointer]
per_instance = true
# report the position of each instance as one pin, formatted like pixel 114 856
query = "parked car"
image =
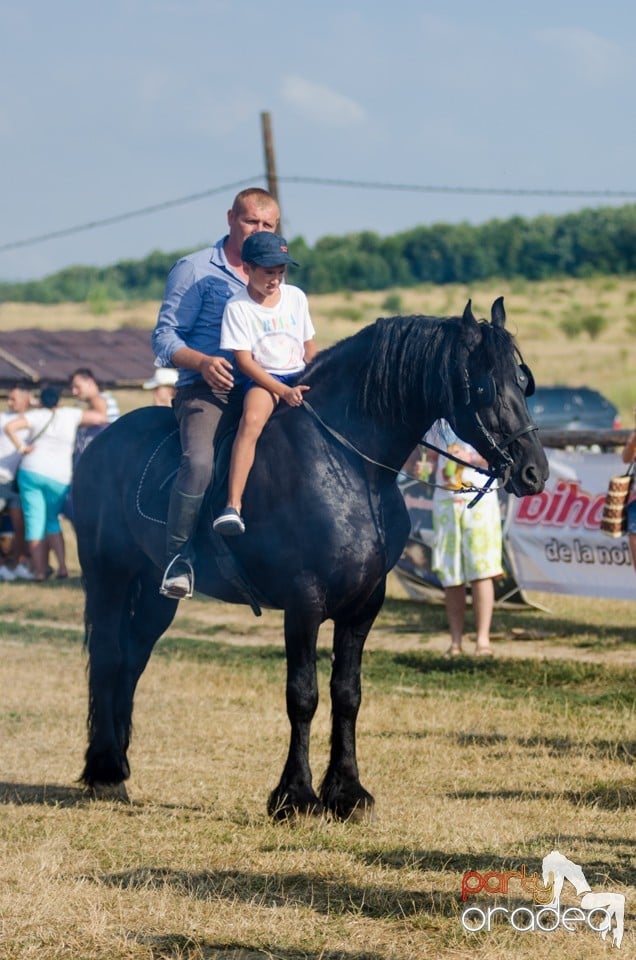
pixel 572 408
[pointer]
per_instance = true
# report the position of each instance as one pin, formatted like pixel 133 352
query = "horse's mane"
pixel 401 362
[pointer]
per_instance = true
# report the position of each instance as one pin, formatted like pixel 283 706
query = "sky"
pixel 114 107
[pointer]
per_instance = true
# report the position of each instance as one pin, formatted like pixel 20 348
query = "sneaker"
pixel 229 523
pixel 7 575
pixel 22 572
pixel 178 580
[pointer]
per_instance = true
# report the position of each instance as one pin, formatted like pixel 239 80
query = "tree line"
pixel 592 241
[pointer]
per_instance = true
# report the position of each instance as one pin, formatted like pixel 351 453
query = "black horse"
pixel 325 523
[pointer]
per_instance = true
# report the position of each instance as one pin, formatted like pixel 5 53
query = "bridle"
pixel 476 396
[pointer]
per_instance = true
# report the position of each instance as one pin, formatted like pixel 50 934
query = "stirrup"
pixel 182 585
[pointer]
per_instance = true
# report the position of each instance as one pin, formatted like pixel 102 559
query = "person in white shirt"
pixel 18 402
pixel 44 477
pixel 268 327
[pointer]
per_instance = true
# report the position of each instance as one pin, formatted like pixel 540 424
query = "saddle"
pixel 153 495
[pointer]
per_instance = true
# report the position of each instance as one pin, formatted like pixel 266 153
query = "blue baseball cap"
pixel 266 249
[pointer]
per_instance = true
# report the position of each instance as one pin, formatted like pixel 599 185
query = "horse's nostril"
pixel 529 474
pixel 531 478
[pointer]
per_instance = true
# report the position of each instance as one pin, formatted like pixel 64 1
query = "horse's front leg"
pixel 295 793
pixel 341 791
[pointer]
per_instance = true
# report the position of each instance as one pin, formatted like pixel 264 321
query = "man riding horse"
pixel 187 336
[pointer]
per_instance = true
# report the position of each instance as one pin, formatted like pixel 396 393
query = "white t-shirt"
pixel 52 455
pixel 9 456
pixel 275 336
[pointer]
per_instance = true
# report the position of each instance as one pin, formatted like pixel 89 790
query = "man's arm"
pixel 99 405
pixel 180 310
pixel 93 417
pixel 216 371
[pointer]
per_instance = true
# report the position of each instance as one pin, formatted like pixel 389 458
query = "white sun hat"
pixel 163 377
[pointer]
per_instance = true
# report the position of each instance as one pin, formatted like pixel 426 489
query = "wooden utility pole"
pixel 270 162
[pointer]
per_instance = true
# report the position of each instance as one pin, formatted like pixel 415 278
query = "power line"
pixel 321 181
pixel 118 218
pixel 491 191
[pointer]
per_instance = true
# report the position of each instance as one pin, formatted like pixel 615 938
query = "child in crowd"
pixel 268 327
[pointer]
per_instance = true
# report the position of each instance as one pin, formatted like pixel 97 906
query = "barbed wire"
pixel 319 181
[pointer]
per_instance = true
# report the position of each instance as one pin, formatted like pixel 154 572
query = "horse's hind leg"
pixel 123 625
pixel 105 762
pixel 341 791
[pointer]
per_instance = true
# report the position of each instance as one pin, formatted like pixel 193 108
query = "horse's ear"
pixel 468 313
pixel 498 313
pixel 471 333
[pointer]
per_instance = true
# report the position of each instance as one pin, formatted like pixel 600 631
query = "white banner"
pixel 554 540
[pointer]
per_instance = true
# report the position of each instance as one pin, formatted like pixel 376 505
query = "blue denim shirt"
pixel 197 289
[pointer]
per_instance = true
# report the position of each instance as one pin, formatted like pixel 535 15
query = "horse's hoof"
pixel 283 809
pixel 353 805
pixel 363 812
pixel 108 791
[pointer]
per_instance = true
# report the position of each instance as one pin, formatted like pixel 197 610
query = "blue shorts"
pixel 631 517
pixel 281 377
pixel 42 503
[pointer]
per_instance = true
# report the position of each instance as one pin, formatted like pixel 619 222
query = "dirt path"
pixel 226 623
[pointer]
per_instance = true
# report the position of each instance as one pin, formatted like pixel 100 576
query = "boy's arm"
pixel 310 350
pixel 247 365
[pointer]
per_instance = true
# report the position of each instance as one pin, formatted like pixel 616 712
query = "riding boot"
pixel 183 514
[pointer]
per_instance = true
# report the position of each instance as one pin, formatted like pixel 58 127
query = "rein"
pixel 344 442
pixel 503 455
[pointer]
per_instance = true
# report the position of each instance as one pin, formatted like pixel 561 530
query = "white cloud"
pixel 591 57
pixel 321 104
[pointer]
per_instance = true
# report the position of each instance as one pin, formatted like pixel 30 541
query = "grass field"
pixel 475 765
pixel 537 314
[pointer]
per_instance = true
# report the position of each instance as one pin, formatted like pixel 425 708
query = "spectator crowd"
pixel 41 440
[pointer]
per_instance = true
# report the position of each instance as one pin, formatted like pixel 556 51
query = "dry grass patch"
pixel 473 765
